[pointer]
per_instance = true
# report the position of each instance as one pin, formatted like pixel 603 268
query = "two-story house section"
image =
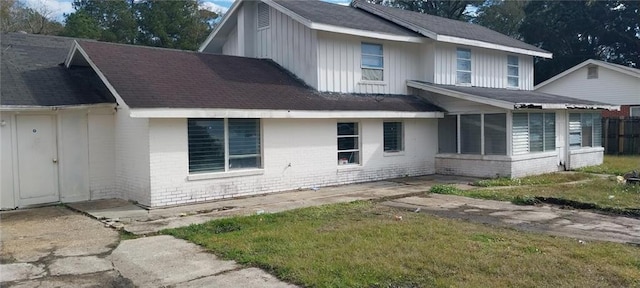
pixel 495 124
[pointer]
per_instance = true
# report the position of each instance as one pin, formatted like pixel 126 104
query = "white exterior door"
pixel 37 159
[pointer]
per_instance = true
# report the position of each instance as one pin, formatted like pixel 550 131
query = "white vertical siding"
pixel 7 200
pixel 231 46
pixel 610 87
pixel 488 67
pixel 290 44
pixel 73 153
pixel 339 65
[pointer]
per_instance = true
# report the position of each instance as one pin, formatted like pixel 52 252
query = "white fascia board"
pixel 364 33
pixel 223 22
pixel 266 113
pixel 482 44
pixel 460 95
pixel 95 68
pixel 565 106
pixel 72 52
pixel 54 108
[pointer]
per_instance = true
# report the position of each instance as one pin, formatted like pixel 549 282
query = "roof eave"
pixel 565 106
pixel 461 95
pixel 487 45
pixel 55 107
pixel 275 113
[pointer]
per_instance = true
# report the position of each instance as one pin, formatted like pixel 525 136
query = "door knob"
pixel 55 160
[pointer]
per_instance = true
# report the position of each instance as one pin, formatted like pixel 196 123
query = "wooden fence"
pixel 621 136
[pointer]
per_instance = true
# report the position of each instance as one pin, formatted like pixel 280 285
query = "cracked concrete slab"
pixel 249 277
pixel 163 260
pixel 79 265
pixel 548 219
pixel 20 271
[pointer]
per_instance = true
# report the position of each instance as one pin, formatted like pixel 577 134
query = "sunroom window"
pixel 533 132
pixel 473 130
pixel 219 145
pixel 585 130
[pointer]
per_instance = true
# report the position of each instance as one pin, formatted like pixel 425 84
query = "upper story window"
pixel 372 62
pixel 263 15
pixel 463 68
pixel 220 145
pixel 592 72
pixel 513 71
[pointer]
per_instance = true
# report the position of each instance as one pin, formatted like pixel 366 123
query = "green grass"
pixel 361 245
pixel 615 165
pixel 550 178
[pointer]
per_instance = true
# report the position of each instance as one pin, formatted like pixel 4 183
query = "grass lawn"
pixel 361 244
pixel 615 165
pixel 550 178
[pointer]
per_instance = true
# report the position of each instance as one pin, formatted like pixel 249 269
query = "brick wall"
pixel 132 157
pixel 496 166
pixel 102 163
pixel 298 153
pixel 586 157
pixel 624 112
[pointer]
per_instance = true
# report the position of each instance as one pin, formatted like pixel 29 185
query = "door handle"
pixel 55 160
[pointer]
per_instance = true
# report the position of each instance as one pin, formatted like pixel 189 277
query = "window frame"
pixel 460 137
pixel 544 140
pixel 226 149
pixel 596 138
pixel 592 72
pixel 399 134
pixel 460 71
pixel 517 67
pixel 357 149
pixel 364 66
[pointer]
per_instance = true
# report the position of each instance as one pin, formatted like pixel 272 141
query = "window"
pixel 592 72
pixel 533 132
pixel 393 137
pixel 513 73
pixel 263 15
pixel 447 134
pixel 495 134
pixel 219 145
pixel 585 130
pixel 470 134
pixel 634 111
pixel 372 62
pixel 463 68
pixel 348 143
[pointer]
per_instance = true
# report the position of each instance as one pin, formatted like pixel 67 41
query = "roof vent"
pixel 263 15
pixel 592 72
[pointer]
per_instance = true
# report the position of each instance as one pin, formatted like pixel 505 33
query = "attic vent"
pixel 592 72
pixel 263 15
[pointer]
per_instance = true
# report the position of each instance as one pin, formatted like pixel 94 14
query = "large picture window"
pixel 495 134
pixel 372 62
pixel 473 130
pixel 463 66
pixel 447 134
pixel 533 132
pixel 348 143
pixel 219 145
pixel 393 137
pixel 585 130
pixel 470 134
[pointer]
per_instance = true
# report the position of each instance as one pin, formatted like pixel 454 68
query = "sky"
pixel 57 8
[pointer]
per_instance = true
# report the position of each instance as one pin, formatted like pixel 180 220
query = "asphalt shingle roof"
pixel 444 26
pixel 343 16
pixel 518 97
pixel 164 78
pixel 32 74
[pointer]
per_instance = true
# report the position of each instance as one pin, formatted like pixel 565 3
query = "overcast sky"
pixel 59 7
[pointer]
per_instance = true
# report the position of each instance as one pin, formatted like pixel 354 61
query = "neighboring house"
pixel 56 125
pixel 314 94
pixel 597 80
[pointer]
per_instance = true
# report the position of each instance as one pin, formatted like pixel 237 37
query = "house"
pixel 597 80
pixel 288 95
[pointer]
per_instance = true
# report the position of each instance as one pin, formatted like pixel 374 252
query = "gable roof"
pixel 153 78
pixel 33 77
pixel 509 98
pixel 615 67
pixel 449 30
pixel 376 21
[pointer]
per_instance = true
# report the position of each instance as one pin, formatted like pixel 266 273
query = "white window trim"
pixel 544 142
pixel 482 136
pixel 593 132
pixel 470 71
pixel 359 150
pixel 228 172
